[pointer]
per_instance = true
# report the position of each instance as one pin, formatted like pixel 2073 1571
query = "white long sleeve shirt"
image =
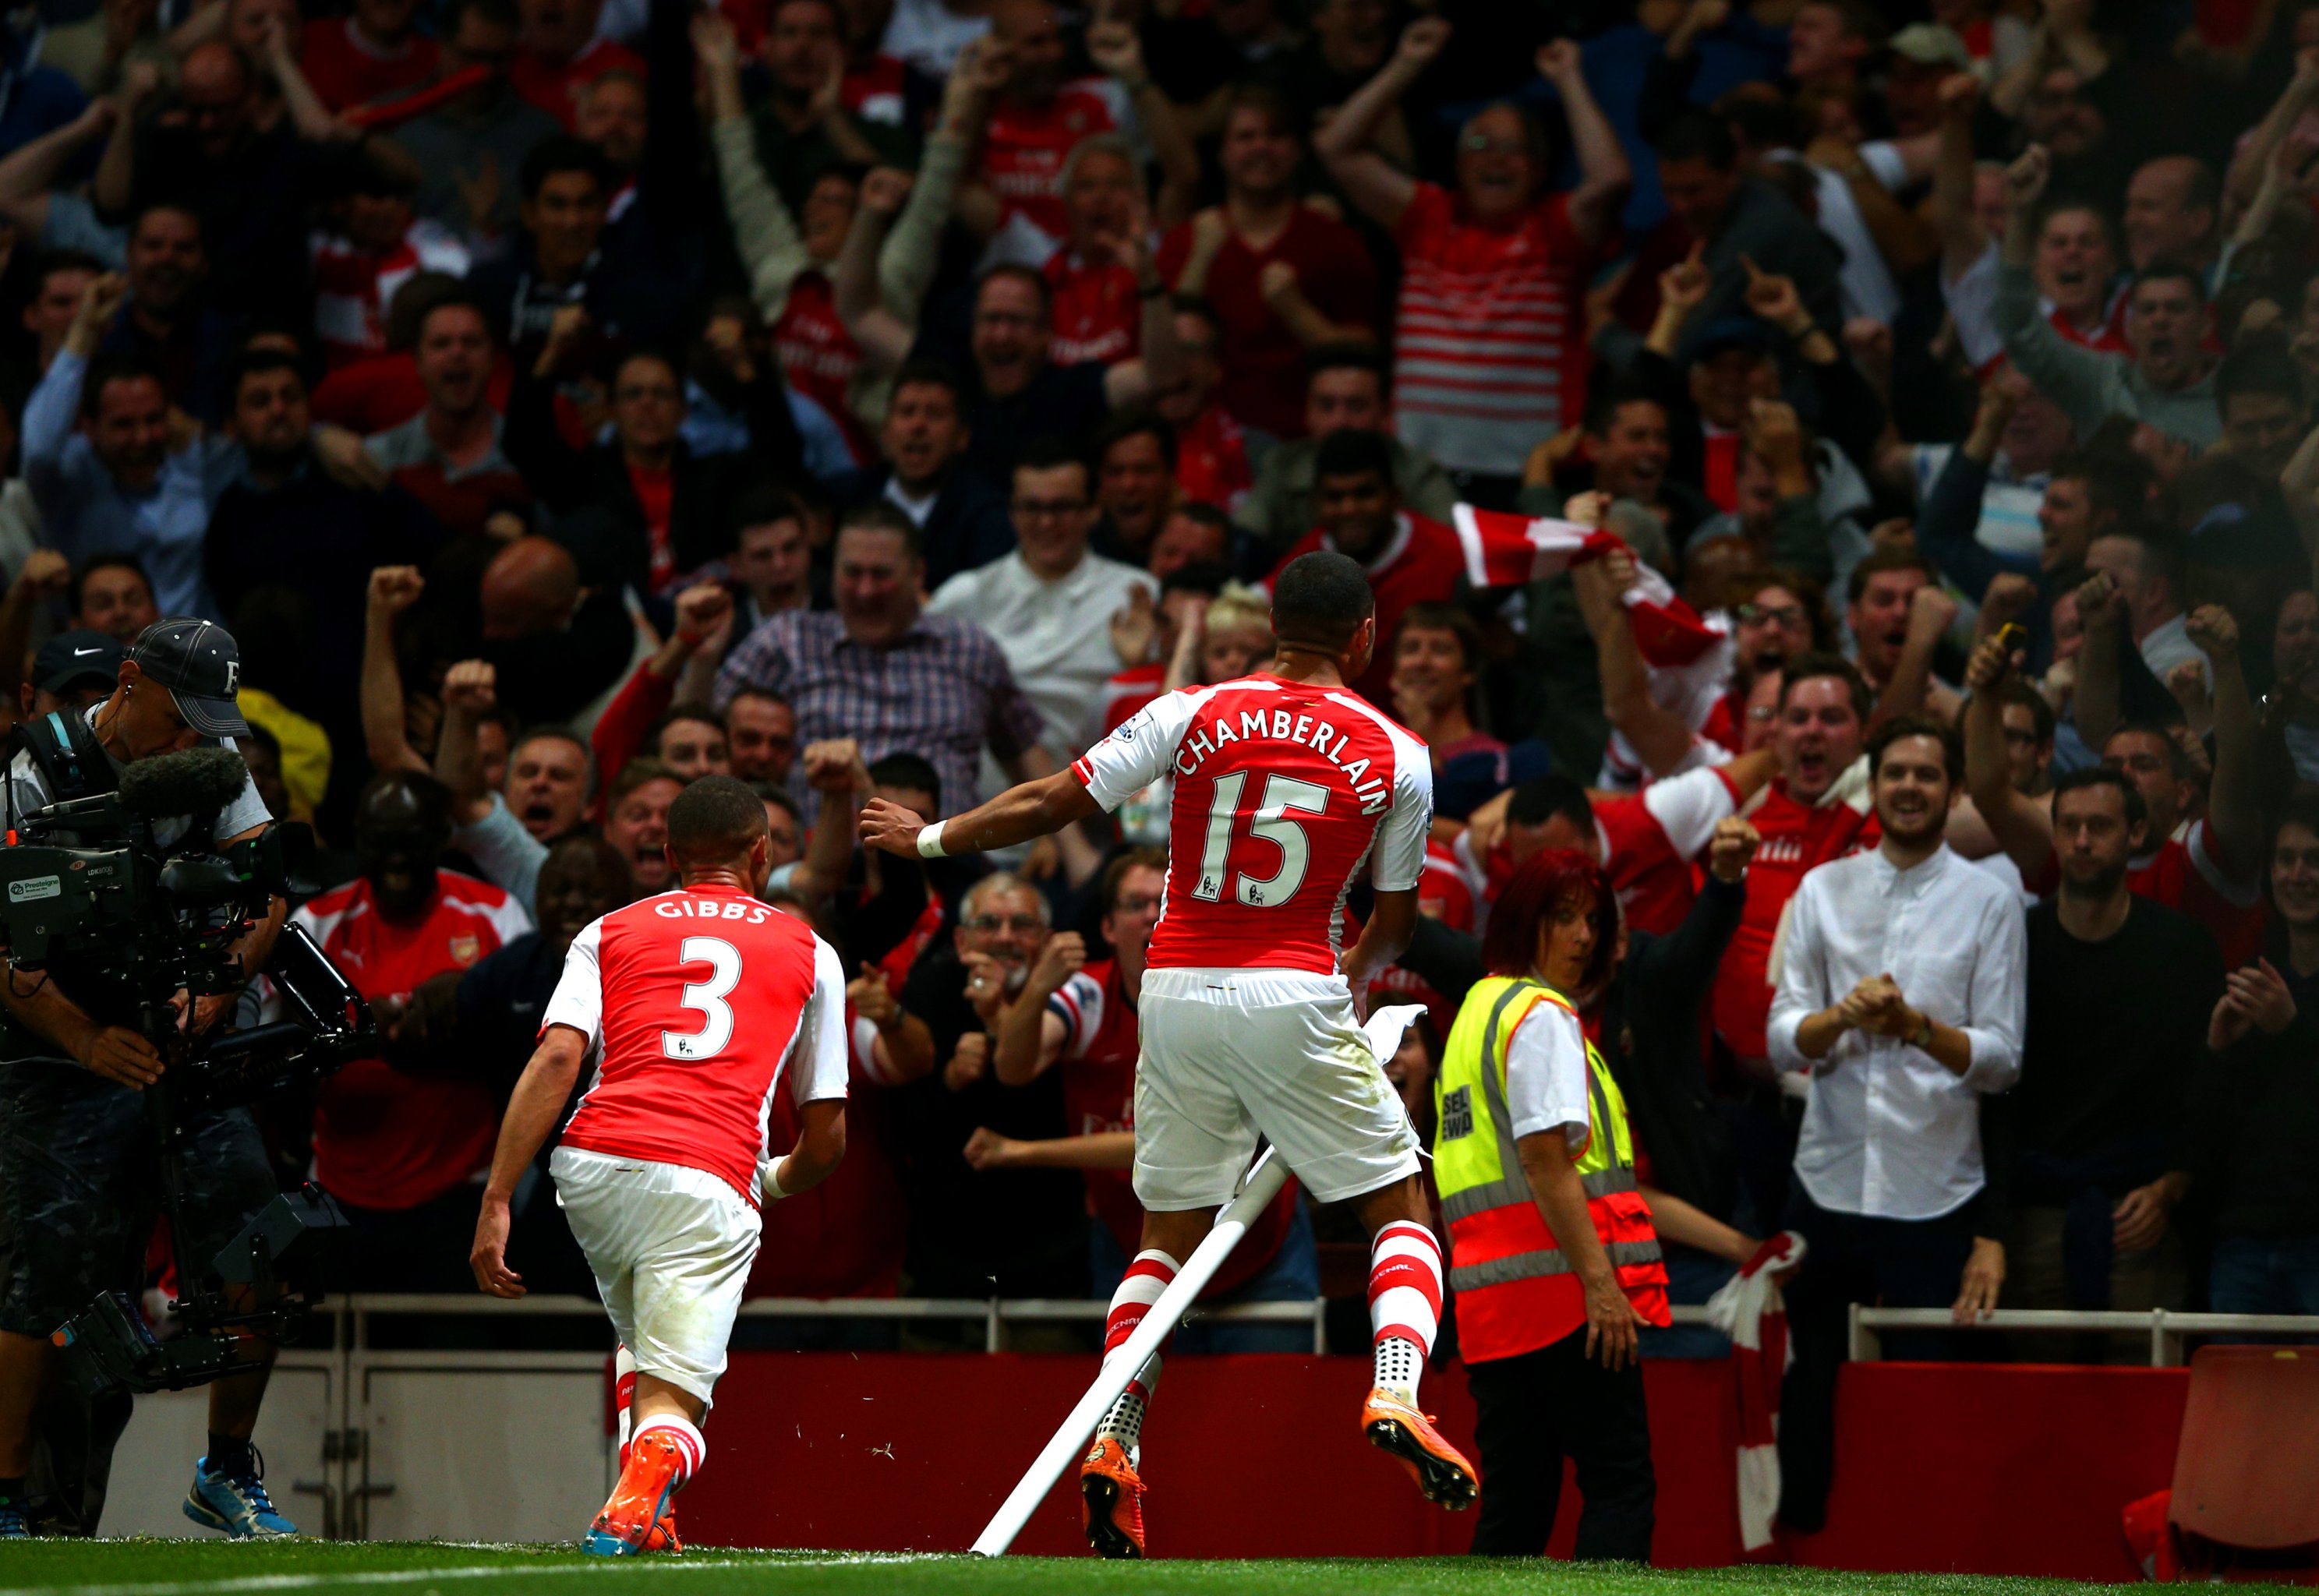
pixel 1890 1133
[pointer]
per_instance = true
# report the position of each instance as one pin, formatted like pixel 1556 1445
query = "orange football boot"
pixel 639 1501
pixel 663 1537
pixel 1440 1469
pixel 1111 1500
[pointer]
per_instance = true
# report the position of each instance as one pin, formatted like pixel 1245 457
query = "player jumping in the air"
pixel 696 1006
pixel 1287 784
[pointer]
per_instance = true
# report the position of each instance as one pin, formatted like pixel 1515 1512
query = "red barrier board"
pixel 1967 1467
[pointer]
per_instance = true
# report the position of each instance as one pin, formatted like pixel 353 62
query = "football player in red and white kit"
pixel 1286 786
pixel 696 1007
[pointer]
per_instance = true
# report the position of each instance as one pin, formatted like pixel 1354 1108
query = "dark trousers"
pixel 1896 1263
pixel 1534 1410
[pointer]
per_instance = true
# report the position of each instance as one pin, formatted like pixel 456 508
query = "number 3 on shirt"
pixel 1272 823
pixel 724 962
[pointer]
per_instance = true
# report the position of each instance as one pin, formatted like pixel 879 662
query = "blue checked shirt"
pixel 941 691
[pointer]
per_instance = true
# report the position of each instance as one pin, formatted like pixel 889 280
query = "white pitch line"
pixel 474 1571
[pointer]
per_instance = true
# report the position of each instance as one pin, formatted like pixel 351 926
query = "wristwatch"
pixel 1922 1039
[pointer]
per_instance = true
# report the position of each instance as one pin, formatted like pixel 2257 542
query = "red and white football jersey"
pixel 698 1002
pixel 2183 873
pixel 1797 839
pixel 1282 791
pixel 1025 147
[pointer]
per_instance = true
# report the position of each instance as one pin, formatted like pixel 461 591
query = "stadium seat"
pixel 2250 1449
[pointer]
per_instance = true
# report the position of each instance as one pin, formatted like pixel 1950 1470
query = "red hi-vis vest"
pixel 1517 1291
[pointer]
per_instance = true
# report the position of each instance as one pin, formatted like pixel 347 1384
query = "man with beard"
pixel 480 1024
pixel 2165 378
pixel 165 321
pixel 2120 989
pixel 1901 997
pixel 398 1151
pixel 1019 1233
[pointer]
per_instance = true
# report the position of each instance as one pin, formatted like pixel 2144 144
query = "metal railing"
pixel 2165 1327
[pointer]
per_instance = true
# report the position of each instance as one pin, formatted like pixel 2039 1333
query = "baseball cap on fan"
pixel 200 665
pixel 77 659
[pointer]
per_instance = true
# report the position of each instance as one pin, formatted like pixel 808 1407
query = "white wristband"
pixel 769 1183
pixel 929 844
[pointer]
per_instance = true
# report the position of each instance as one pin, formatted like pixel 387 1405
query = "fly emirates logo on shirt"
pixel 1374 789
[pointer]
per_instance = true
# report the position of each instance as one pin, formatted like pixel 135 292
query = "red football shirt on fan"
pixel 1095 309
pixel 2184 874
pixel 1421 561
pixel 1282 791
pixel 1126 691
pixel 383 392
pixel 844 1238
pixel 345 70
pixel 1211 461
pixel 383 1139
pixel 1798 838
pixel 818 357
pixel 1264 363
pixel 1101 1042
pixel 1025 147
pixel 556 89
pixel 655 491
pixel 699 1002
pixel 1648 840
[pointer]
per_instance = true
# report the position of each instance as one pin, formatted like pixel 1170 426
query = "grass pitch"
pixel 214 1568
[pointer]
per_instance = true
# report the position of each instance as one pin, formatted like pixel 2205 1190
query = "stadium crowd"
pixel 561 400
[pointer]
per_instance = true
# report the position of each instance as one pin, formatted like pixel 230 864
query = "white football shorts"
pixel 671 1249
pixel 1230 1054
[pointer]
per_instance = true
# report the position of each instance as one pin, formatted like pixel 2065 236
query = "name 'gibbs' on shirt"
pixel 747 911
pixel 1372 787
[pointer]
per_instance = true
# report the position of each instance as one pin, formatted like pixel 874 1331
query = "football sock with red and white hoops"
pixel 1404 1304
pixel 624 1396
pixel 1139 1289
pixel 691 1449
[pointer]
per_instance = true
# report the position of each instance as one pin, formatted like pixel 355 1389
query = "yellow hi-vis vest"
pixel 1516 1289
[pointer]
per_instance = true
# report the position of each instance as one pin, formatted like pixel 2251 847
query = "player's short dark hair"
pixel 2040 707
pixel 1540 799
pixel 1805 667
pixel 713 820
pixel 563 152
pixel 1320 599
pixel 2137 813
pixel 911 772
pixel 1902 726
pixel 1877 561
pixel 1698 135
pixel 1115 873
pixel 1353 451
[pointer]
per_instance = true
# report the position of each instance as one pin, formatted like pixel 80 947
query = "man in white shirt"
pixel 1902 997
pixel 1049 604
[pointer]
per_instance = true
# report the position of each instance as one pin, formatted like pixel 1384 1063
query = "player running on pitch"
pixel 697 1005
pixel 1286 783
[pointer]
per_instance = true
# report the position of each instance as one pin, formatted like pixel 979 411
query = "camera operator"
pixel 79 1159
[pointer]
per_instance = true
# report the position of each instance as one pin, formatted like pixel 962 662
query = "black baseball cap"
pixel 75 659
pixel 200 665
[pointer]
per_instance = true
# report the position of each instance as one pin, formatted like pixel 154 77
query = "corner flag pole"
pixel 1265 1178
